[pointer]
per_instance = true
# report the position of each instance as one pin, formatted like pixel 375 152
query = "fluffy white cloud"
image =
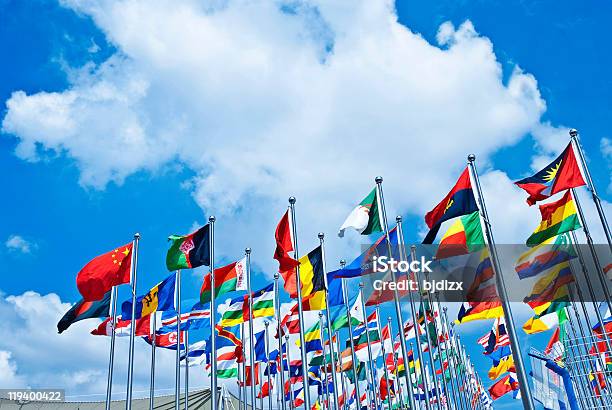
pixel 265 100
pixel 19 244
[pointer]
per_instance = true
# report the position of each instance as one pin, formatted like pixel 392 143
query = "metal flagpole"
pixel 460 373
pixel 177 304
pixel 324 359
pixel 409 387
pixel 519 363
pixel 239 381
pixel 355 363
pixel 134 269
pixel 213 341
pixel 260 373
pixel 247 252
pixel 448 348
pixel 403 257
pixel 432 362
pixel 292 401
pixel 602 216
pixel 328 320
pixel 280 340
pixel 344 388
pixel 299 297
pixel 598 267
pixel 267 323
pixel 186 368
pixel 111 359
pixel 374 395
pixel 384 355
pixel 398 310
pixel 153 341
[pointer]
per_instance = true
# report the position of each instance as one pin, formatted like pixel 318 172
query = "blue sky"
pixel 67 220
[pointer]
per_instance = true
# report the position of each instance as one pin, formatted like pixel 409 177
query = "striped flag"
pixel 238 310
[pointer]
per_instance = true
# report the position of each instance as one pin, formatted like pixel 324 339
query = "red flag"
pixel 286 264
pixel 503 386
pixel 249 379
pixel 122 327
pixel 105 271
pixel 265 390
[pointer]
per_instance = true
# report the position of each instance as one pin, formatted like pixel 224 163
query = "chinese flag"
pixel 105 271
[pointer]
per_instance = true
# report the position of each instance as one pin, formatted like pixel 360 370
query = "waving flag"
pixel 561 174
pixel 198 317
pixel 464 236
pixel 550 315
pixel 286 264
pixel 555 347
pixel 122 327
pixel 85 310
pixel 312 338
pixel 229 278
pixel 160 298
pixel 103 272
pixel 238 310
pixel 339 317
pixel 540 258
pixel 197 354
pixel 496 338
pixel 168 340
pixel 366 217
pixel 503 386
pixel 557 217
pixel 459 201
pixel 189 251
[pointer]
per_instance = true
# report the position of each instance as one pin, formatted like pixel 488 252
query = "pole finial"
pixel 398 219
pixel 212 218
pixel 320 315
pixel 287 338
pixel 137 236
pixel 573 132
pixel 388 318
pixel 343 262
pixel 292 200
pixel 378 179
pixel 361 285
pixel 321 235
pixel 266 323
pixel 247 250
pixel 471 158
pixel 276 276
pixel 413 247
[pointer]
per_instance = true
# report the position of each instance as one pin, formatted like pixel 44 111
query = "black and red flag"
pixel 459 201
pixel 85 310
pixel 561 174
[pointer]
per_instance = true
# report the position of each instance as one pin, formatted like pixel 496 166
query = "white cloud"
pixel 19 244
pixel 263 103
pixel 8 372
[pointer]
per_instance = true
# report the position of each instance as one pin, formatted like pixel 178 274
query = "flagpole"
pixel 344 388
pixel 503 294
pixel 602 216
pixel 152 333
pixel 186 366
pixel 403 257
pixel 213 340
pixel 292 401
pixel 374 395
pixel 409 386
pixel 260 374
pixel 454 379
pixel 177 380
pixel 111 359
pixel 328 320
pixel 382 346
pixel 267 323
pixel 280 340
pixel 239 378
pixel 355 364
pixel 460 374
pixel 398 310
pixel 299 296
pixel 242 370
pixel 598 267
pixel 247 252
pixel 324 358
pixel 134 269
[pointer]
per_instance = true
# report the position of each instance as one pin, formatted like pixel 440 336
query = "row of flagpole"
pixel 458 400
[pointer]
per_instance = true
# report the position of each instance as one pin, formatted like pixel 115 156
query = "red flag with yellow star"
pixel 105 271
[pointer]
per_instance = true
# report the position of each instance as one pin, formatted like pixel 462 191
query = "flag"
pixel 85 310
pixel 366 217
pixel 363 265
pixel 316 405
pixel 103 272
pixel 339 317
pixel 284 245
pixel 561 174
pixel 503 386
pixel 551 314
pixel 551 287
pixel 555 348
pixel 196 355
pixel 482 298
pixel 501 366
pixel 238 310
pixel 227 364
pixel 496 338
pixel 542 257
pixel 265 390
pixel 470 311
pixel 160 298
pixel 459 201
pixel 464 236
pixel 314 301
pixel 312 277
pixel 607 321
pixel 189 251
pixel 312 338
pixel 557 217
pixel 291 321
pixel 229 278
pixel 122 327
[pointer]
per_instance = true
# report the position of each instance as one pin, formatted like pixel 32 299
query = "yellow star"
pixel 126 252
pixel 552 172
